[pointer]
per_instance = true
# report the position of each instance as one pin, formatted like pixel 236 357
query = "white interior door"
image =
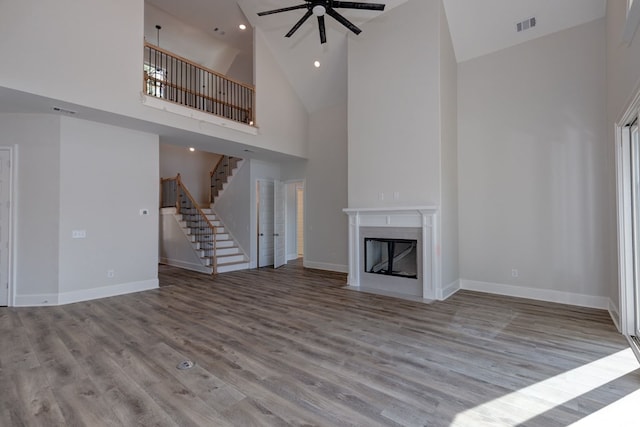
pixel 279 225
pixel 265 195
pixel 5 224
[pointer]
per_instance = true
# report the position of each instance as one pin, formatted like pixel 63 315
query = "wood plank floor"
pixel 292 347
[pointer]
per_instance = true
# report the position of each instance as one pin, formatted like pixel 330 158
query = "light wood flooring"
pixel 293 347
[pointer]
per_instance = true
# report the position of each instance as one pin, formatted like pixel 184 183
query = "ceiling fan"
pixel 321 7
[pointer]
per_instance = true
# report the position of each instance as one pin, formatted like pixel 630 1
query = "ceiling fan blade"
pixel 299 23
pixel 284 9
pixel 358 5
pixel 344 21
pixel 323 30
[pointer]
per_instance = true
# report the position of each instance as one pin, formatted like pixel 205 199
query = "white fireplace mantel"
pixel 422 217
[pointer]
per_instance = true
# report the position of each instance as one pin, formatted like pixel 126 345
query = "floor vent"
pixel 185 364
pixel 526 24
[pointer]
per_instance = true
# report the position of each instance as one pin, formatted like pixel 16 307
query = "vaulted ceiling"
pixel 478 27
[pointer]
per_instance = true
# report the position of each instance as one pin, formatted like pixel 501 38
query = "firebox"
pixel 391 257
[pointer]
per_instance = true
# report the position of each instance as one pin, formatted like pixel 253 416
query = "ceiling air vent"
pixel 526 24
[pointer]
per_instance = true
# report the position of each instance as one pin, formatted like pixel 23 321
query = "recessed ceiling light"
pixel 242 27
pixel 316 64
pixel 192 149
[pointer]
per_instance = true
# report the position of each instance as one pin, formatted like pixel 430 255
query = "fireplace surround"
pixel 419 224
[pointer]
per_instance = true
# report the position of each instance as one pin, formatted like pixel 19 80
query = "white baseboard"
pixel 106 291
pixel 84 294
pixel 37 300
pixel 291 257
pixel 536 294
pixel 340 268
pixel 615 315
pixel 450 289
pixel 186 265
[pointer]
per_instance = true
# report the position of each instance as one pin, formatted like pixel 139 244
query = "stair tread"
pixel 233 263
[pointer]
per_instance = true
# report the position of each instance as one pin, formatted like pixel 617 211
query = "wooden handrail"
pixel 166 83
pixel 209 70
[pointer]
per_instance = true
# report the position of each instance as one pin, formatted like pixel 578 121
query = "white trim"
pixel 625 248
pixel 615 314
pixel 106 291
pixel 450 289
pixel 624 214
pixel 291 257
pixel 631 23
pixel 35 300
pixel 11 266
pixel 549 295
pixel 187 265
pixel 340 268
pixel 425 218
pixel 170 107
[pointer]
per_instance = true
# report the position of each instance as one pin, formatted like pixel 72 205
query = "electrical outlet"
pixel 111 274
pixel 514 272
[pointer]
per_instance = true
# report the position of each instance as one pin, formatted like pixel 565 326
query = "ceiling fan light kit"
pixel 321 7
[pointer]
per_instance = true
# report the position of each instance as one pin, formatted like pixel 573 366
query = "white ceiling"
pixel 478 27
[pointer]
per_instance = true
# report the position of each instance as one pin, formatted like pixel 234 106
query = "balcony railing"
pixel 176 79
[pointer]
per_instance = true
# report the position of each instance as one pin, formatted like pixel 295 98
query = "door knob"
pixel 276 234
pixel 261 234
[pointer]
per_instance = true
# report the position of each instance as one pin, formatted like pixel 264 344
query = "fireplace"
pixel 395 251
pixel 391 257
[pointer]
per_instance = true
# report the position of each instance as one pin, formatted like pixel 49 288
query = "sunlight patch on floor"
pixel 619 413
pixel 524 404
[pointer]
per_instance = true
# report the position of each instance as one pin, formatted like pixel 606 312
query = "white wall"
pixel 623 81
pixel 394 137
pixel 80 51
pixel 87 52
pixel 326 226
pixel 533 169
pixel 37 194
pixel 242 68
pixel 107 174
pixel 280 113
pixel 187 41
pixel 193 167
pixel 449 154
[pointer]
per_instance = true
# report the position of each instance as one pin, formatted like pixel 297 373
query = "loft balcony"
pixel 178 80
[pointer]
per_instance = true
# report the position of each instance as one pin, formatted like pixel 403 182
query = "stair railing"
pixel 176 79
pixel 220 175
pixel 175 194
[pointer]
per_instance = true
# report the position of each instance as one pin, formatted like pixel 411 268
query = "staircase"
pixel 216 248
pixel 212 244
pixel 221 175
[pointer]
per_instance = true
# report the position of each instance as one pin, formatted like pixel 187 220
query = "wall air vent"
pixel 526 24
pixel 63 110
